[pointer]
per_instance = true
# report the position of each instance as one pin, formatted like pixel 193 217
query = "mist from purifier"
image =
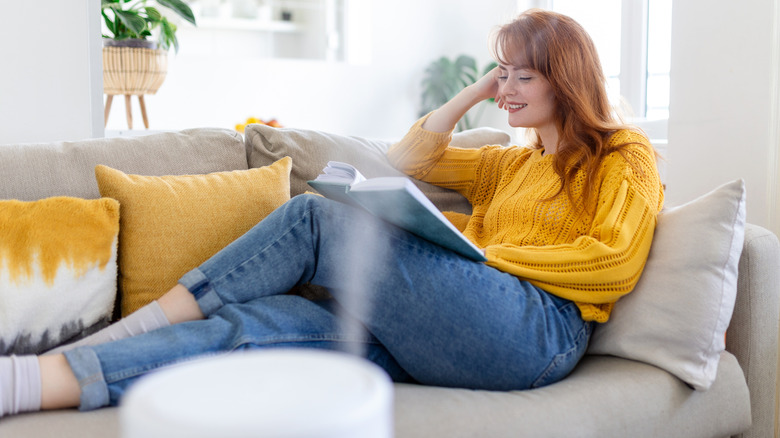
pixel 368 249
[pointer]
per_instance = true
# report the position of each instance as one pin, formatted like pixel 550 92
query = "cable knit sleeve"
pixel 419 150
pixel 427 156
pixel 603 264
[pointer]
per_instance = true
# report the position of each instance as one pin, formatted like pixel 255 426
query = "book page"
pixel 341 173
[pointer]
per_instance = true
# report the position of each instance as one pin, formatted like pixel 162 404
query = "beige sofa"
pixel 606 396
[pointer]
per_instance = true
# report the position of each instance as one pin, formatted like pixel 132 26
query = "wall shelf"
pixel 288 29
pixel 248 24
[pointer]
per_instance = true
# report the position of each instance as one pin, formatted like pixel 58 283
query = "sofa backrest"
pixel 753 331
pixel 34 171
pixel 311 150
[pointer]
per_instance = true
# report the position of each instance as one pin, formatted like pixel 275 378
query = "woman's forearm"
pixel 420 148
pixel 447 116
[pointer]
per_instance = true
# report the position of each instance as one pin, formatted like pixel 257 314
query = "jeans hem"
pixel 199 286
pixel 86 367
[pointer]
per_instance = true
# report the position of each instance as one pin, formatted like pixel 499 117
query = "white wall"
pixel 724 102
pixel 216 86
pixel 51 79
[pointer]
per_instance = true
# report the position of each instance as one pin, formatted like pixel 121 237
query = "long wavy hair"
pixel 559 49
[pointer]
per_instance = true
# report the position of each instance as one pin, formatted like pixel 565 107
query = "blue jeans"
pixel 421 312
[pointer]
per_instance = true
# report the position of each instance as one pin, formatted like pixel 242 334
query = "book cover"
pixel 396 200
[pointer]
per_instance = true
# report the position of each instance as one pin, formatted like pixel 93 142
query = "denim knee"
pixel 305 202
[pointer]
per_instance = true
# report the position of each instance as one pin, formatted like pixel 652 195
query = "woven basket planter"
pixel 133 71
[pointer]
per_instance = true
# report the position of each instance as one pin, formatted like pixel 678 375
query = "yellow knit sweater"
pixel 591 258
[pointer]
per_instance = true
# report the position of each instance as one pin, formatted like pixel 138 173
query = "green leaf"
pixel 466 63
pixel 168 35
pixel 109 23
pixel 132 20
pixel 466 67
pixel 153 14
pixel 180 8
pixel 439 84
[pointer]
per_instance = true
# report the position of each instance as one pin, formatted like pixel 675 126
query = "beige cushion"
pixel 604 397
pixel 311 151
pixel 478 137
pixel 676 316
pixel 631 399
pixel 58 268
pixel 172 224
pixel 34 171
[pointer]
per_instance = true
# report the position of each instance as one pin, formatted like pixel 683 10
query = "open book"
pixel 397 200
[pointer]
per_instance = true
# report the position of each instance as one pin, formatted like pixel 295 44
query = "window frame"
pixel 633 55
pixel 633 76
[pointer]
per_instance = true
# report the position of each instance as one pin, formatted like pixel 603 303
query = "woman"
pixel 566 226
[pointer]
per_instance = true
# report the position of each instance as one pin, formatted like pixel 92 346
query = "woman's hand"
pixel 445 118
pixel 487 85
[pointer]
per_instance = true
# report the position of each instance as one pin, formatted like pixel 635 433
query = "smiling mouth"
pixel 517 106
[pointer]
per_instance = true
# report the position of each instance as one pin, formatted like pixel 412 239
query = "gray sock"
pixel 20 384
pixel 147 318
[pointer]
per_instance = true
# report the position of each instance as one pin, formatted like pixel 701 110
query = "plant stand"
pixel 128 110
pixel 132 71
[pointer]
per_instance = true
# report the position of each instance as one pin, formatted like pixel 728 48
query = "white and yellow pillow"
pixel 58 268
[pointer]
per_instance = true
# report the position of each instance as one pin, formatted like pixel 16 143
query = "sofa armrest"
pixel 753 333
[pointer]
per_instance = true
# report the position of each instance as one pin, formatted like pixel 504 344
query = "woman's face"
pixel 527 96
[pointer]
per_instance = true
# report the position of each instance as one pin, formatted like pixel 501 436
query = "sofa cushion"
pixel 311 151
pixel 34 171
pixel 631 399
pixel 677 315
pixel 171 224
pixel 603 397
pixel 58 268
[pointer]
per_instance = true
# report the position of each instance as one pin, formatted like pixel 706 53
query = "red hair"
pixel 559 49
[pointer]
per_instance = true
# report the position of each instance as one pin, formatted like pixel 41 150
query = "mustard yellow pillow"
pixel 58 270
pixel 171 224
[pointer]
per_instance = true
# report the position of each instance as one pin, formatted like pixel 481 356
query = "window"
pixel 659 44
pixel 633 38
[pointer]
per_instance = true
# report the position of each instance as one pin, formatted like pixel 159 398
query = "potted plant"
pixel 444 78
pixel 129 20
pixel 133 64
